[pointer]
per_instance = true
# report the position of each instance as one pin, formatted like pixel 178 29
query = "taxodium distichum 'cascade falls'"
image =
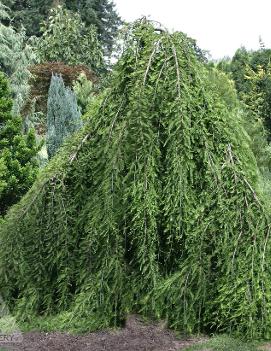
pixel 151 208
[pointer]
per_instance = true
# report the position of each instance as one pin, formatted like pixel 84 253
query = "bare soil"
pixel 136 336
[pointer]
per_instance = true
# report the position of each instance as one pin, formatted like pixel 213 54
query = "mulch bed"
pixel 136 336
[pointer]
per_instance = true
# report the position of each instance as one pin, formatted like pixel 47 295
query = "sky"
pixel 219 26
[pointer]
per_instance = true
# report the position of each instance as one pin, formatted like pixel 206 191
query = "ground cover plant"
pixel 153 207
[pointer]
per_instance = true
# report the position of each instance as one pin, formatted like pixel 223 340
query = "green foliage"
pixel 239 63
pixel 29 14
pixel 224 65
pixel 84 91
pixel 153 207
pixel 261 58
pixel 66 38
pixel 4 12
pixel 98 13
pixel 63 115
pixel 16 54
pixel 18 167
pixel 225 87
pixel 102 14
pixel 255 105
pixel 257 95
pixel 244 64
pixel 251 73
pixel 224 343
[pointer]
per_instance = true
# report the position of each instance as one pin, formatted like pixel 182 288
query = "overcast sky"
pixel 219 26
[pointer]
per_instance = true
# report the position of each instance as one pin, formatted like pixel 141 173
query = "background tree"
pixel 250 70
pixel 4 15
pixel 66 38
pixel 238 66
pixel 29 14
pixel 63 115
pixel 255 104
pixel 84 91
pixel 18 166
pixel 100 13
pixel 16 54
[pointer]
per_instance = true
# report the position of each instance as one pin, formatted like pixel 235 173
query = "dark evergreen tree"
pixel 18 165
pixel 100 13
pixel 29 14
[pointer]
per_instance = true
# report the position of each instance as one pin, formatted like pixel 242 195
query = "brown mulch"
pixel 136 336
pixel 266 347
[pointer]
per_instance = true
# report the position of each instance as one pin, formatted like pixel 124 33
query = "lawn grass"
pixel 224 343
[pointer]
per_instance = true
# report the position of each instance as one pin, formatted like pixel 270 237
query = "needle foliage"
pixel 152 208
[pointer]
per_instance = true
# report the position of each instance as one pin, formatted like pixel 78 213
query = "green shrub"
pixel 18 165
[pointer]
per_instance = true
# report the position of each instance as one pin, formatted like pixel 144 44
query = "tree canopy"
pixel 100 14
pixel 66 38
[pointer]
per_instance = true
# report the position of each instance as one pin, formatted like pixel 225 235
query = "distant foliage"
pixel 84 91
pixel 63 115
pixel 98 13
pixel 103 15
pixel 256 103
pixel 252 105
pixel 18 165
pixel 244 61
pixel 251 73
pixel 66 38
pixel 225 87
pixel 29 14
pixel 4 12
pixel 238 66
pixel 16 54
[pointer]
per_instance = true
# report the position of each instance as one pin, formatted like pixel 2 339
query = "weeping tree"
pixel 63 115
pixel 153 207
